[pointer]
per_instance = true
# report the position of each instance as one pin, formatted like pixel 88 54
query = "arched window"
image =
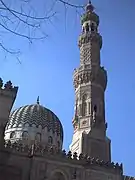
pixel 50 140
pixel 92 27
pixel 89 107
pixel 12 135
pixel 95 112
pixel 25 135
pixel 87 27
pixel 84 105
pixel 95 108
pixel 38 137
pixel 83 30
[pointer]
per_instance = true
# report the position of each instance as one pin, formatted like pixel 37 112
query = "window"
pixel 38 137
pixel 84 105
pixel 92 27
pixel 50 140
pixel 87 27
pixel 95 108
pixel 89 107
pixel 25 135
pixel 12 135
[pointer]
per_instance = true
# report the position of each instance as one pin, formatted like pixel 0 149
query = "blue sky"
pixel 47 67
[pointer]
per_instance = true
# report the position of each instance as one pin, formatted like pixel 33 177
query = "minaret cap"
pixel 89 6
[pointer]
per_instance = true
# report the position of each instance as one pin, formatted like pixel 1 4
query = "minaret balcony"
pixel 84 77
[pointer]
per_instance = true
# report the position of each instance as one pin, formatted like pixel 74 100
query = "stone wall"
pixel 39 163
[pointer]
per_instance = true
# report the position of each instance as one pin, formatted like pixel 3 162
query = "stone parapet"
pixel 53 153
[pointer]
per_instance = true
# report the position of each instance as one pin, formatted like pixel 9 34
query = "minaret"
pixel 90 81
pixel 7 97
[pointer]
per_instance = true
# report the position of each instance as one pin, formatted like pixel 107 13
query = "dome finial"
pixel 38 100
pixel 89 6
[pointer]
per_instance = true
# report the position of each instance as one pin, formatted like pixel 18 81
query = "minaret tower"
pixel 90 81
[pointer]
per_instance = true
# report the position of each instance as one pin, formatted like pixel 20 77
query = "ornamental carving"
pixel 98 76
pixel 85 55
pixel 87 38
pixel 81 78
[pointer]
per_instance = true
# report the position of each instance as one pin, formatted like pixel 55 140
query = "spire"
pixel 38 100
pixel 89 6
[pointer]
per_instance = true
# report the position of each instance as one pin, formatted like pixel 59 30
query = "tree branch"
pixel 11 19
pixel 71 5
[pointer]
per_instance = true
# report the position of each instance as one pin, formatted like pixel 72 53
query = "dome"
pixel 90 16
pixel 34 123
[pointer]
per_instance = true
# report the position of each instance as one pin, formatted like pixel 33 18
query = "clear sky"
pixel 47 67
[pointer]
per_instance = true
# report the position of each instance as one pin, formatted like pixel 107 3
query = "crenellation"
pixel 7 86
pixel 41 151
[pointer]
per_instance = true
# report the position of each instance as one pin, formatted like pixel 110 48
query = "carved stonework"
pixel 85 55
pixel 88 38
pixel 83 77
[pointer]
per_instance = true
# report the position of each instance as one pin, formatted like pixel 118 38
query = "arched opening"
pixel 92 27
pixel 38 137
pixel 87 27
pixel 25 135
pixel 50 140
pixel 94 112
pixel 58 176
pixel 84 105
pixel 12 135
pixel 95 109
pixel 89 104
pixel 83 30
pixel 76 107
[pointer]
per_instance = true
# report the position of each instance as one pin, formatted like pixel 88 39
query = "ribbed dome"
pixel 34 118
pixel 35 114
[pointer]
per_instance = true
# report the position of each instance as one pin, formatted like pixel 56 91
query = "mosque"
pixel 31 137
